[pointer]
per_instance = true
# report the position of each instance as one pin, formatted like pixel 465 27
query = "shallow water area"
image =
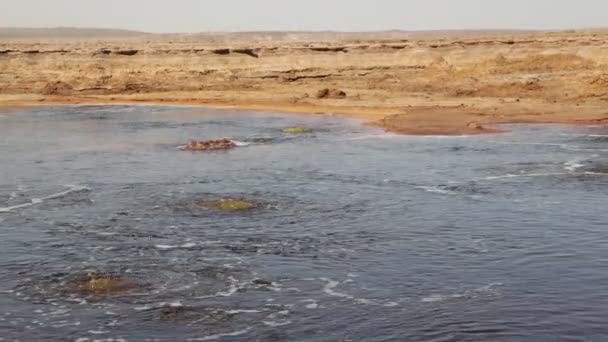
pixel 362 236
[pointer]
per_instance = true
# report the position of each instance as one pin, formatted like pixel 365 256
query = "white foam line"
pixel 331 285
pixel 236 312
pixel 525 175
pixel 329 290
pixel 435 189
pixel 218 336
pixel 596 173
pixel 276 324
pixel 440 298
pixel 41 200
pixel 169 247
pixel 573 165
pixel 487 289
pixel 166 247
pixel 232 289
pixel 240 143
pixel 564 146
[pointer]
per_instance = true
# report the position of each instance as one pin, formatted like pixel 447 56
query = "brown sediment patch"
pixel 209 145
pixel 57 88
pixel 436 121
pixel 600 121
pixel 542 63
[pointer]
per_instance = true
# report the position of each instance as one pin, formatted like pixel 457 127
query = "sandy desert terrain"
pixel 431 83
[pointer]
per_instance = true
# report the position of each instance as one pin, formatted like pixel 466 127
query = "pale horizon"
pixel 189 16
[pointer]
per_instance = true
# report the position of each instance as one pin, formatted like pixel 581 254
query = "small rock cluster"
pixel 209 145
pixel 331 94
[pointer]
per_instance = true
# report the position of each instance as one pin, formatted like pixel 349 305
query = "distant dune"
pixel 66 32
pixel 74 32
pixel 343 36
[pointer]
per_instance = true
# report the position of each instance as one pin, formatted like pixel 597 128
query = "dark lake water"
pixel 359 235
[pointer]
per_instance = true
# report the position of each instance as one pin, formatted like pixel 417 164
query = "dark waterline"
pixel 364 236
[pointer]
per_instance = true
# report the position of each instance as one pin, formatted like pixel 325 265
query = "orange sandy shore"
pixel 420 120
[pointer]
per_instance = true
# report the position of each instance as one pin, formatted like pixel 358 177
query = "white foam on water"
pixel 526 175
pixel 596 173
pixel 148 307
pixel 218 336
pixel 332 284
pixel 278 323
pixel 434 298
pixel 565 146
pixel 166 247
pixel 572 165
pixel 169 247
pixel 63 324
pixel 176 304
pixel 98 332
pixel 489 289
pixel 312 304
pixel 34 201
pixel 232 289
pixel 240 143
pixel 236 312
pixel 436 189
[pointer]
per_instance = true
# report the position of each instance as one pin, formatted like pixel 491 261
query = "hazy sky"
pixel 345 15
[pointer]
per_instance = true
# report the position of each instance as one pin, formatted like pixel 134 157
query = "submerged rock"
pixel 94 284
pixel 228 205
pixel 175 312
pixel 599 169
pixel 262 140
pixel 262 282
pixel 297 130
pixel 209 145
pixel 221 316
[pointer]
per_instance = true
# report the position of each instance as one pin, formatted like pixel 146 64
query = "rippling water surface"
pixel 360 235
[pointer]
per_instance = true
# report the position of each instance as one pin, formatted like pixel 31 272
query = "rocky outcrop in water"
pixel 209 145
pixel 94 284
